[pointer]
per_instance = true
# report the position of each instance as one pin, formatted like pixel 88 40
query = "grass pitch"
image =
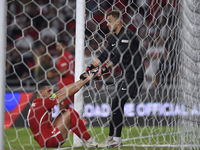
pixel 22 138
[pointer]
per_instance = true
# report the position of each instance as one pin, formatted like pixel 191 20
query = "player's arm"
pixel 109 65
pixel 92 66
pixel 99 73
pixel 52 74
pixel 101 59
pixel 96 63
pixel 71 89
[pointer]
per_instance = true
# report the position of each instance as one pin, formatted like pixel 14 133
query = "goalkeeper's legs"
pixel 117 108
pixel 116 122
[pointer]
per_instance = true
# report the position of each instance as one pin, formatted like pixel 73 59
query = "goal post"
pixel 79 58
pixel 3 9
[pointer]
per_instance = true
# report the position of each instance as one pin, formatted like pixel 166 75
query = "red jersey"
pixel 66 61
pixel 40 119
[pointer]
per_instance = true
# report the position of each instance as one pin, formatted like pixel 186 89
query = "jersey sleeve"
pixel 121 48
pixel 104 55
pixel 136 52
pixel 50 102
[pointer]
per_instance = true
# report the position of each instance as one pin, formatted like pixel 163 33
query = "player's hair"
pixel 115 13
pixel 42 84
pixel 63 42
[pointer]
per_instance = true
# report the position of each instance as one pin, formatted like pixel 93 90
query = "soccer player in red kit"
pixel 54 134
pixel 65 66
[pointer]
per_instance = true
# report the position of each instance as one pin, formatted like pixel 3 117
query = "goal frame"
pixel 3 9
pixel 79 57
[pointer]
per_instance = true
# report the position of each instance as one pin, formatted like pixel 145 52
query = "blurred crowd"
pixel 33 27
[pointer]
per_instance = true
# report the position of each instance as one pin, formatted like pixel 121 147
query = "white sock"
pixel 117 139
pixel 90 140
pixel 110 138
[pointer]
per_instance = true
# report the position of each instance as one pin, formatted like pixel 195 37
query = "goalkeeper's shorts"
pixel 131 89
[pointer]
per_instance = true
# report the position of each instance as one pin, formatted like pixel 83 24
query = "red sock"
pixel 77 125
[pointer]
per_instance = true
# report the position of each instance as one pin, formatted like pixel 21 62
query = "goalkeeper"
pixel 123 48
pixel 54 134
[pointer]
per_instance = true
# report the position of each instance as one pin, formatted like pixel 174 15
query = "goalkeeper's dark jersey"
pixel 123 49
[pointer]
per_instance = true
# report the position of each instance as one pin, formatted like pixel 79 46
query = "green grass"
pixel 22 138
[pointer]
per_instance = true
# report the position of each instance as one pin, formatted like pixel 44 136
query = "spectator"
pixel 15 68
pixel 65 67
pixel 154 54
pixel 167 70
pixel 45 64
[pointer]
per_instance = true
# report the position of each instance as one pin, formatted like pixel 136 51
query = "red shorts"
pixel 56 139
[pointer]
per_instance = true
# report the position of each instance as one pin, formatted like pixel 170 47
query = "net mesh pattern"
pixel 165 113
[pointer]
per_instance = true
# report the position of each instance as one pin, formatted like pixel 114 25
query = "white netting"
pixel 165 107
pixel 152 117
pixel 189 74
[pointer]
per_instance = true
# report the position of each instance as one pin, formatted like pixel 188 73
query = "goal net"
pixel 188 83
pixel 165 113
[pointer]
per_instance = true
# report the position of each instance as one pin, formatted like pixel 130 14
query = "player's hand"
pixel 82 76
pixel 99 73
pixel 90 67
pixel 88 77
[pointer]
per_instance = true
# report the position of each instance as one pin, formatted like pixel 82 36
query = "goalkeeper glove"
pixel 99 73
pixel 90 67
pixel 82 76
